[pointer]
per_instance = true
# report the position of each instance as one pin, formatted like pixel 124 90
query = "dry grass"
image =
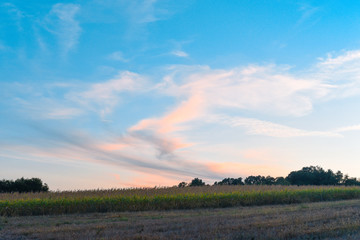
pixel 325 220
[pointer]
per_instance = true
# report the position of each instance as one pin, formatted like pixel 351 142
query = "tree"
pixel 196 182
pixel 281 181
pixel 23 185
pixel 268 180
pixel 314 176
pixel 182 184
pixel 255 180
pixel 230 181
pixel 348 181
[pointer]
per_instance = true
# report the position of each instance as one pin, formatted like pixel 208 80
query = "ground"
pixel 324 220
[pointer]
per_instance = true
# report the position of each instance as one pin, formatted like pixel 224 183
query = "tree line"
pixel 22 185
pixel 313 175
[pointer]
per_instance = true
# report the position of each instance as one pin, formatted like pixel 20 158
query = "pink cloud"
pixel 188 110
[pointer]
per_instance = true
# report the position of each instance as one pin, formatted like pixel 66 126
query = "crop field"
pixel 55 203
pixel 208 212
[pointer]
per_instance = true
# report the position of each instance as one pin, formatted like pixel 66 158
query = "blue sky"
pixel 114 93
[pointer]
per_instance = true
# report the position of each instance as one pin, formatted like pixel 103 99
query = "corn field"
pixel 166 199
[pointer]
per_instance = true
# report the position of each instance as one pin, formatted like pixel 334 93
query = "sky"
pixel 142 93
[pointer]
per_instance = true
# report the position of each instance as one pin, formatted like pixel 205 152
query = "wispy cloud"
pixel 265 128
pixel 342 71
pixel 143 11
pixel 348 128
pixel 269 89
pixel 103 97
pixel 63 113
pixel 117 56
pixel 61 22
pixel 53 144
pixel 16 14
pixel 180 53
pixel 307 12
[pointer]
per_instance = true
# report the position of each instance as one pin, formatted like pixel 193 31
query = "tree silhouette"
pixel 230 181
pixel 23 185
pixel 196 182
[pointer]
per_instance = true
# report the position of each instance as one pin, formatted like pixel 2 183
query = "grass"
pixel 322 220
pixel 55 203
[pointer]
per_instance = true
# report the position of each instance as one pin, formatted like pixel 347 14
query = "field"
pixel 213 212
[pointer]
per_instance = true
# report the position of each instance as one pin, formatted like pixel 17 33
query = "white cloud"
pixel 180 53
pixel 333 62
pixel 103 97
pixel 265 128
pixel 61 22
pixel 342 71
pixel 348 128
pixel 269 89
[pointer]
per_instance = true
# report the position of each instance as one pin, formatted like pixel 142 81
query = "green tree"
pixel 314 175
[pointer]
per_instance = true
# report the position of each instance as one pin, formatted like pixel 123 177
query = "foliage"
pixel 261 180
pixel 23 185
pixel 230 181
pixel 318 176
pixel 281 181
pixel 182 184
pixel 196 182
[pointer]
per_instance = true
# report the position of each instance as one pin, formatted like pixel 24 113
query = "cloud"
pixel 187 110
pixel 269 89
pixel 118 56
pixel 334 62
pixel 265 128
pixel 168 142
pixel 41 107
pixel 104 97
pixel 180 53
pixel 206 94
pixel 348 128
pixel 144 11
pixel 161 132
pixel 63 113
pixel 307 12
pixel 61 22
pixel 53 144
pixel 165 145
pixel 16 14
pixel 342 71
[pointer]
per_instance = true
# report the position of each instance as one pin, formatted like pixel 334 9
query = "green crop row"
pixel 166 202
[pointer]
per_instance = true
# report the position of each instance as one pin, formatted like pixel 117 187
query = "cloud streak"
pixel 104 97
pixel 62 23
pixel 265 128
